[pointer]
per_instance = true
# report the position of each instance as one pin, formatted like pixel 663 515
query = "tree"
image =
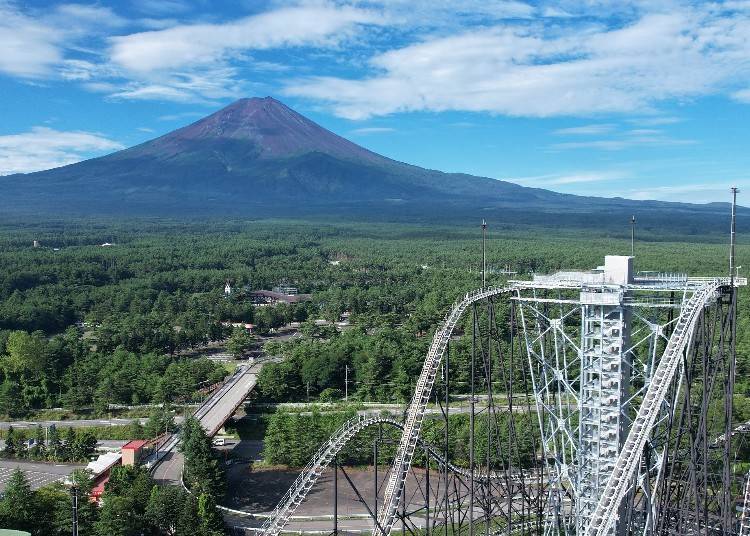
pixel 239 342
pixel 83 446
pixel 124 502
pixel 160 421
pixel 11 443
pixel 189 522
pixel 164 507
pixel 66 450
pixel 203 470
pixel 39 450
pixel 11 401
pixel 211 520
pixel 19 507
pixel 54 445
pixel 54 500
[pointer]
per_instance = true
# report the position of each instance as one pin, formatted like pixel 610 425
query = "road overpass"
pixel 212 415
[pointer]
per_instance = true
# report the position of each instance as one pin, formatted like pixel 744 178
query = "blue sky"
pixel 647 100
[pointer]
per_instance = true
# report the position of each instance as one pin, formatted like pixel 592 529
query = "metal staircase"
pixel 605 513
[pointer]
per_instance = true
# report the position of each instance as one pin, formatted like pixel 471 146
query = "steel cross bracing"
pixel 416 411
pixel 606 513
pixel 325 455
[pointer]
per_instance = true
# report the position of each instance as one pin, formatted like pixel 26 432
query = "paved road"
pixel 212 415
pixel 38 474
pixel 78 423
pixel 228 398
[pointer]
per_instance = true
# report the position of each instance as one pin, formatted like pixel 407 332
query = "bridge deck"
pixel 222 405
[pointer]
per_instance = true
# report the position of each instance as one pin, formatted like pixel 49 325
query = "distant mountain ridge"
pixel 259 158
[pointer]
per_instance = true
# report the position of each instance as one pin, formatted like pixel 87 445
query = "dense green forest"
pixel 132 505
pixel 84 325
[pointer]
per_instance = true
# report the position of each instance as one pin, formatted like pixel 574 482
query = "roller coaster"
pixel 600 404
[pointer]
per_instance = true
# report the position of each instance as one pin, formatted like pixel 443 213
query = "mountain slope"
pixel 257 157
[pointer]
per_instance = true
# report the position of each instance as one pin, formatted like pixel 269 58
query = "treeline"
pixel 293 438
pixel 40 372
pixel 132 504
pixel 72 446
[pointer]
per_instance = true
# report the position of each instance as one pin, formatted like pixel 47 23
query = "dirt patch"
pixel 259 489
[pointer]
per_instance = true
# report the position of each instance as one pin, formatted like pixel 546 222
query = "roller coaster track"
pixel 605 513
pixel 416 411
pixel 323 457
pixel 409 438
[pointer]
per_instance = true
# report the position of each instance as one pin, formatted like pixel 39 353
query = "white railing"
pixel 745 516
pixel 605 513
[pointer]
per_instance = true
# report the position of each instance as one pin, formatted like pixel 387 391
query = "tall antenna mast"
pixel 484 253
pixel 632 236
pixel 735 190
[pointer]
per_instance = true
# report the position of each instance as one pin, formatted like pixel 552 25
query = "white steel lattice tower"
pixel 604 382
pixel 593 340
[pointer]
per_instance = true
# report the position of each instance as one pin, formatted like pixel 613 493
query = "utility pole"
pixel 74 505
pixel 484 253
pixel 308 391
pixel 346 383
pixel 632 236
pixel 735 190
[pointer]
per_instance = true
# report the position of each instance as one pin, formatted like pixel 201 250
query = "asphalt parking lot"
pixel 38 474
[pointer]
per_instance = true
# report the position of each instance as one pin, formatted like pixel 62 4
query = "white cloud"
pixel 45 148
pixel 198 86
pixel 691 193
pixel 180 116
pixel 586 130
pixel 202 44
pixel 632 139
pixel 654 121
pixel 579 177
pixel 372 130
pixel 532 70
pixel 33 44
pixel 742 95
pixel 28 48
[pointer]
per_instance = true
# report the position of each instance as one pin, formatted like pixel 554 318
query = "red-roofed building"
pixel 100 470
pixel 133 451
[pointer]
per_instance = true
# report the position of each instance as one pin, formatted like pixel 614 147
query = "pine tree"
pixel 211 519
pixel 39 449
pixel 19 506
pixel 164 507
pixel 66 452
pixel 189 523
pixel 54 446
pixel 203 470
pixel 11 443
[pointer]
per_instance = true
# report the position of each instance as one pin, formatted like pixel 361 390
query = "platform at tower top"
pixel 617 272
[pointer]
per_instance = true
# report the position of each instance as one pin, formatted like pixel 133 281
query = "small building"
pixel 36 243
pixel 227 289
pixel 100 470
pixel 272 297
pixel 286 290
pixel 133 451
